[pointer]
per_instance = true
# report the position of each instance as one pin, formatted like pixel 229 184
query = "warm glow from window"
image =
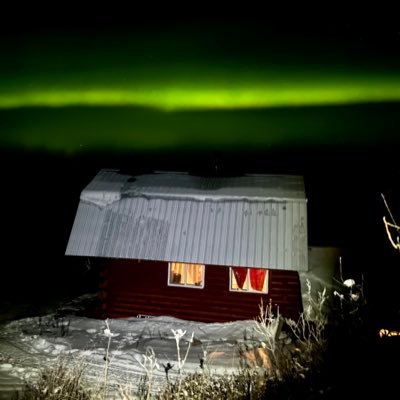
pixel 184 274
pixel 249 280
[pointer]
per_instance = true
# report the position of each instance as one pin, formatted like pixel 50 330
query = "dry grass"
pixel 62 381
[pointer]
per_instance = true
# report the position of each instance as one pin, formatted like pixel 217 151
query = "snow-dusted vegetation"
pixel 61 353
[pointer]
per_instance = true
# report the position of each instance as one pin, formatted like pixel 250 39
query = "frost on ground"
pixel 28 344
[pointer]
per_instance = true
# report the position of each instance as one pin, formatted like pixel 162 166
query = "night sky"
pixel 82 92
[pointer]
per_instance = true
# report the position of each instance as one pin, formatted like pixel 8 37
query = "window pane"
pixel 257 278
pixel 177 273
pixel 239 278
pixel 194 274
pixel 186 274
pixel 249 279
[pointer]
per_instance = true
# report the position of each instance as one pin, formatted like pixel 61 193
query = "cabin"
pixel 194 247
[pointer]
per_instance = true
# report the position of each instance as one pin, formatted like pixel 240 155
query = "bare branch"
pixel 388 209
pixel 389 234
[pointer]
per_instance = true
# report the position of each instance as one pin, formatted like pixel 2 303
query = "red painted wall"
pixel 132 287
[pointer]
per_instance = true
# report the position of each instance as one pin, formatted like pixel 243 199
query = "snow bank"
pixel 30 343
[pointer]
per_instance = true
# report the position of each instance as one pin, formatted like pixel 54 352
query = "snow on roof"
pixel 109 186
pixel 251 220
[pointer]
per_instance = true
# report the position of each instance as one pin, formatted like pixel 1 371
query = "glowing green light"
pixel 181 98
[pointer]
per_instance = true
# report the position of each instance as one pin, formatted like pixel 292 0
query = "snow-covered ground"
pixel 27 344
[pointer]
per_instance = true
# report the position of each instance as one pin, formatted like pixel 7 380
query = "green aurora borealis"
pixel 166 91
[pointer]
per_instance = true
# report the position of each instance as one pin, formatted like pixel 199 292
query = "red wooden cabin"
pixel 197 248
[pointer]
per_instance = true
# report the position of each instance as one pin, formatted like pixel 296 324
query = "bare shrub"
pixel 309 331
pixel 64 380
pixel 294 347
pixel 392 228
pixel 247 384
pixel 149 364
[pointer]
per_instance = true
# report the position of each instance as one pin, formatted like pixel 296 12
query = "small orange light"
pixel 387 333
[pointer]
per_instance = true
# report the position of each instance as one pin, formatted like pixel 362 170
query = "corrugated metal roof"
pixel 252 220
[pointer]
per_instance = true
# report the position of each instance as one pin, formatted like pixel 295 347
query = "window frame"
pixel 238 290
pixel 186 285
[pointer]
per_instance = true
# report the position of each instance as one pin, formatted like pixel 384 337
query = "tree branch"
pixel 388 225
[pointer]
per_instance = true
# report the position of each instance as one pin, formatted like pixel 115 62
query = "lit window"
pixel 183 274
pixel 249 280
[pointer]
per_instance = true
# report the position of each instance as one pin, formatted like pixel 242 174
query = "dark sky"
pixel 68 80
pixel 267 94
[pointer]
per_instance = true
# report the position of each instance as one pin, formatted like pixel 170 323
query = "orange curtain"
pixel 194 274
pixel 240 276
pixel 177 273
pixel 257 278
